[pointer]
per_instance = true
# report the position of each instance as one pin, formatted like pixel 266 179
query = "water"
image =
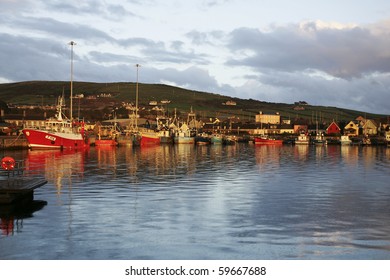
pixel 209 202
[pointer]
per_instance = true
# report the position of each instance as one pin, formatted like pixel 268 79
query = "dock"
pixel 19 189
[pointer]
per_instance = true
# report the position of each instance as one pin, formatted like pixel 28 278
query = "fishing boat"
pixel 164 129
pixel 107 135
pixel 149 137
pixel 59 132
pixel 184 135
pixel 319 140
pixel 165 137
pixel 303 139
pixel 345 140
pixel 216 139
pixel 387 139
pixel 202 139
pixel 266 140
pixel 229 140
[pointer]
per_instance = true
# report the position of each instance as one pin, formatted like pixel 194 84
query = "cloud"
pixel 342 52
pixel 103 9
pixel 324 63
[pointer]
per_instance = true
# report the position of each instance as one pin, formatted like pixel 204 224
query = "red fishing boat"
pixel 265 140
pixel 150 138
pixel 58 133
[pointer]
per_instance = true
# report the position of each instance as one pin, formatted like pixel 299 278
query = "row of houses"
pixel 273 124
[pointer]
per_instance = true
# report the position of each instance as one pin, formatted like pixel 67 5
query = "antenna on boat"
pixel 71 43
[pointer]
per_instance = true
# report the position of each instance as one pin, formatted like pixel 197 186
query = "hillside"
pixel 203 103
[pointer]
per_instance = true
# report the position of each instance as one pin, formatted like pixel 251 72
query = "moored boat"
pixel 319 140
pixel 107 135
pixel 229 140
pixel 202 139
pixel 345 140
pixel 149 138
pixel 387 138
pixel 105 142
pixel 216 139
pixel 184 135
pixel 266 140
pixel 59 133
pixel 303 139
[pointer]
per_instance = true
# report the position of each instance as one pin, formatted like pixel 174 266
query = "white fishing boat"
pixel 345 140
pixel 303 139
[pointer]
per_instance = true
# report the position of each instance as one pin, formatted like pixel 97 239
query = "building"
pixel 229 103
pixel 268 118
pixel 333 129
pixel 352 128
pixel 369 127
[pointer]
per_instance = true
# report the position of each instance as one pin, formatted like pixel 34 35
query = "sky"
pixel 328 53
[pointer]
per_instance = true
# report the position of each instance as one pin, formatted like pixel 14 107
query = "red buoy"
pixel 8 163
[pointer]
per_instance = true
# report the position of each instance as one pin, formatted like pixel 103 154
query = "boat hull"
pixel 149 139
pixel 216 140
pixel 41 139
pixel 106 142
pixel 184 140
pixel 202 140
pixel 262 141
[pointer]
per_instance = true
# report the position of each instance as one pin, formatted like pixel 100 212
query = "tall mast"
pixel 136 98
pixel 71 43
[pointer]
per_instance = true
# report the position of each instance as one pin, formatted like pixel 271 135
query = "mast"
pixel 71 43
pixel 136 98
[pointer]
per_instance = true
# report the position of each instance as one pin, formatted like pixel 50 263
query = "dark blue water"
pixel 209 202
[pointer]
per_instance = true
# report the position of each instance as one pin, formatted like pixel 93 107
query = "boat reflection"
pixel 58 167
pixel 12 215
pixel 268 156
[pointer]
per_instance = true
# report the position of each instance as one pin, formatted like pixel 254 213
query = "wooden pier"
pixel 19 189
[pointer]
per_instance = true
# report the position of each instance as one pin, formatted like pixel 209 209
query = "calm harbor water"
pixel 206 202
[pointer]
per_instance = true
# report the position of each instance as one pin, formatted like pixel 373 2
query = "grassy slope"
pixel 205 104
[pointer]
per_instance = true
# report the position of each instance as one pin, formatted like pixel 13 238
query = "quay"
pixel 19 189
pixel 13 142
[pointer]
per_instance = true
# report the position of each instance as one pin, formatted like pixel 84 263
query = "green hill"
pixel 203 103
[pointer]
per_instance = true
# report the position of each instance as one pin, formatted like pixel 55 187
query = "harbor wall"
pixel 13 142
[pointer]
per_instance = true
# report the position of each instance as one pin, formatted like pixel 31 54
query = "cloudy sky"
pixel 331 52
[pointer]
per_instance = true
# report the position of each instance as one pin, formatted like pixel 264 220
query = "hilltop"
pixel 203 103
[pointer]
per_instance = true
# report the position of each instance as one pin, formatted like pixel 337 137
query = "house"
pixel 300 128
pixel 229 103
pixel 333 129
pixel 369 127
pixel 352 128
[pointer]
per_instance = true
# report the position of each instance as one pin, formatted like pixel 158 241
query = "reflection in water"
pixel 212 202
pixel 12 215
pixel 58 167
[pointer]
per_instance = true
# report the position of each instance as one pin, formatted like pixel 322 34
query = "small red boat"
pixel 265 140
pixel 149 138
